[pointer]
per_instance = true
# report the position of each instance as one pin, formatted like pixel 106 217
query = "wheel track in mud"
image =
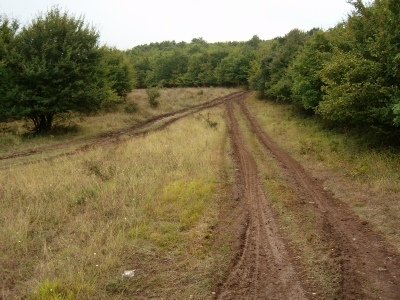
pixel 112 137
pixel 369 266
pixel 264 270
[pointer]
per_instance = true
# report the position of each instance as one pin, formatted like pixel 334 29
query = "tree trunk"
pixel 43 123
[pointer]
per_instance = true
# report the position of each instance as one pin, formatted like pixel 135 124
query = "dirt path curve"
pixel 264 270
pixel 112 137
pixel 370 267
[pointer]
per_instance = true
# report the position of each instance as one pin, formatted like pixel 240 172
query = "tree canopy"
pixel 348 74
pixel 55 65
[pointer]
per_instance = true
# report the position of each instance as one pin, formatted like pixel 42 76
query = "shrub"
pixel 153 94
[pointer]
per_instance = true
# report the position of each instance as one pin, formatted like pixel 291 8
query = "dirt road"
pixel 266 266
pixel 266 269
pixel 112 137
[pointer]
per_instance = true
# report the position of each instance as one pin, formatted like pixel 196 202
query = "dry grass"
pixel 71 226
pixel 297 221
pixel 369 181
pixel 16 136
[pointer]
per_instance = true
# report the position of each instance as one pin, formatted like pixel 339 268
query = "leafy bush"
pixel 153 94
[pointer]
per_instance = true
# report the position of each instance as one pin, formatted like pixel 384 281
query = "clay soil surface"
pixel 266 266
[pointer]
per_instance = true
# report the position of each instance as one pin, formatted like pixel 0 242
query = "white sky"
pixel 125 24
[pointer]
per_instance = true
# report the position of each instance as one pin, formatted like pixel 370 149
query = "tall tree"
pixel 8 29
pixel 56 67
pixel 120 71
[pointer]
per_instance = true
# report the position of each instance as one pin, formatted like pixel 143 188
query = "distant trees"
pixel 348 74
pixel 55 65
pixel 197 63
pixel 119 70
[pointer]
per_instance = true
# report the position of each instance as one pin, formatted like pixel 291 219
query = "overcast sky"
pixel 125 24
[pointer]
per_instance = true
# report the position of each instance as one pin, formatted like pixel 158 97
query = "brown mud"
pixel 264 270
pixel 266 267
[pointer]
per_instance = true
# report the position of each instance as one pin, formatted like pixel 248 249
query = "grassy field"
pixel 71 226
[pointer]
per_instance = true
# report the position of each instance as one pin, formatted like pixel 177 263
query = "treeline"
pixel 197 63
pixel 347 75
pixel 55 64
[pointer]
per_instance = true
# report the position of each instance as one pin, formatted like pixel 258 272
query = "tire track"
pixel 112 137
pixel 264 269
pixel 369 266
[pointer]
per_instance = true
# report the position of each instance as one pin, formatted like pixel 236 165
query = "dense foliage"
pixel 55 65
pixel 197 63
pixel 348 74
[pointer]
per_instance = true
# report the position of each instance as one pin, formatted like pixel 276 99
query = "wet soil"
pixel 266 267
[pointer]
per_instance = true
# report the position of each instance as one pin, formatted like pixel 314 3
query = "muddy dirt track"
pixel 369 268
pixel 113 137
pixel 265 267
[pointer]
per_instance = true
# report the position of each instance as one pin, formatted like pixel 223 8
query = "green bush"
pixel 153 94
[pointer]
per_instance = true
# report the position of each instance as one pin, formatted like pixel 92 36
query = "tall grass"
pixel 367 179
pixel 69 227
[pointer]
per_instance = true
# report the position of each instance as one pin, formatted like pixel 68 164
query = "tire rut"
pixel 264 269
pixel 370 267
pixel 112 137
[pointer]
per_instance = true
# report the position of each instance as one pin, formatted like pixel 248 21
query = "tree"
pixel 56 66
pixel 305 69
pixel 120 71
pixel 234 68
pixel 361 81
pixel 8 29
pixel 280 85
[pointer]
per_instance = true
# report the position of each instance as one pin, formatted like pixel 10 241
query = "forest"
pixel 347 75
